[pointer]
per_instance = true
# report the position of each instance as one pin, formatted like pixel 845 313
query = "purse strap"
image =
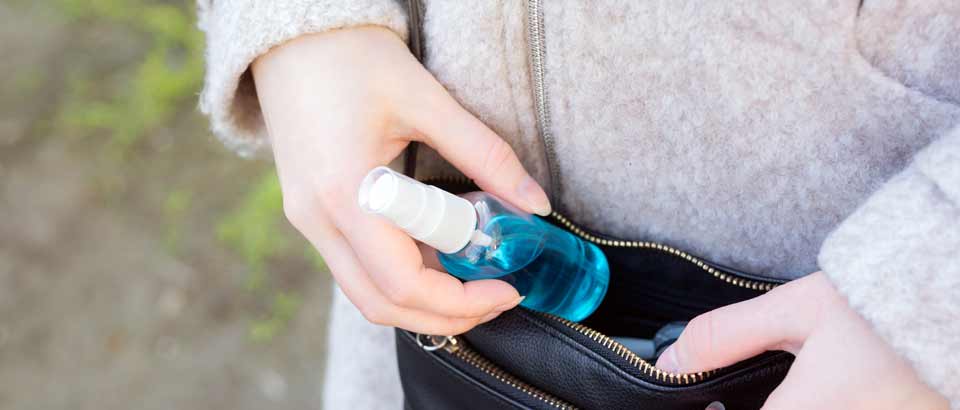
pixel 415 36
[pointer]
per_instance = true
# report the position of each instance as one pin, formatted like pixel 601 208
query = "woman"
pixel 782 138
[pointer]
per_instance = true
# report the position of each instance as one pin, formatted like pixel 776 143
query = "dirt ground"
pixel 118 288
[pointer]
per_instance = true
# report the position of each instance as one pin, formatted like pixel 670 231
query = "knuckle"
pixel 375 314
pixel 297 211
pixel 400 292
pixel 498 156
pixel 331 197
pixel 474 310
pixel 302 208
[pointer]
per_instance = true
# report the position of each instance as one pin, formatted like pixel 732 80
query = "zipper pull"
pixel 432 343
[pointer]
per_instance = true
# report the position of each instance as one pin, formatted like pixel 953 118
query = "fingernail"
pixel 502 308
pixel 534 196
pixel 490 316
pixel 668 360
pixel 507 306
pixel 716 406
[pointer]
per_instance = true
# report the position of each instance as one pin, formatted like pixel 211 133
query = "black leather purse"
pixel 529 360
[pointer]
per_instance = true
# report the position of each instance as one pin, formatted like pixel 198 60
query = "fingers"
pixel 784 397
pixel 843 364
pixel 716 406
pixel 389 260
pixel 478 152
pixel 394 263
pixel 429 256
pixel 778 320
pixel 375 307
pixel 815 370
pixel 807 374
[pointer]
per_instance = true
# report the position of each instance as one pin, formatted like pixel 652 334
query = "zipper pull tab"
pixel 432 343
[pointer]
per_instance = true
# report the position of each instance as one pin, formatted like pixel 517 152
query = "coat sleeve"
pixel 897 258
pixel 238 31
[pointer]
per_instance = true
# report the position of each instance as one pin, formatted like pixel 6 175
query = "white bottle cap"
pixel 429 214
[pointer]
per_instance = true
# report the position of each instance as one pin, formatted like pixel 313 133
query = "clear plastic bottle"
pixel 558 272
pixel 478 236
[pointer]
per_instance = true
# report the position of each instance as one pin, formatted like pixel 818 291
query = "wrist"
pixel 341 71
pixel 339 46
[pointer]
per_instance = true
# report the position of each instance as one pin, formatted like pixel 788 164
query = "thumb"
pixel 777 320
pixel 478 152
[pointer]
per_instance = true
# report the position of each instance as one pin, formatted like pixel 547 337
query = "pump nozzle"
pixel 429 214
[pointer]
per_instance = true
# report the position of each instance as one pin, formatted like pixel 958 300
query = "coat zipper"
pixel 538 67
pixel 454 347
pixel 537 44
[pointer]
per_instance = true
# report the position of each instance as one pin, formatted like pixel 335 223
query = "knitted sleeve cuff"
pixel 897 260
pixel 239 31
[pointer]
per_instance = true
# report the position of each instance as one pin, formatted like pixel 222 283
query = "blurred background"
pixel 142 265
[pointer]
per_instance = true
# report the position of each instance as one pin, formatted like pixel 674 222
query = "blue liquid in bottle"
pixel 558 272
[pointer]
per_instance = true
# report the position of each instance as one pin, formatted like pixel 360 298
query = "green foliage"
pixel 174 210
pixel 112 10
pixel 253 228
pixel 283 309
pixel 315 259
pixel 161 84
pixel 142 96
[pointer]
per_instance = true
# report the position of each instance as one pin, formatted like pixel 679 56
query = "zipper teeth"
pixel 644 366
pixel 476 360
pixel 733 280
pixel 615 243
pixel 538 66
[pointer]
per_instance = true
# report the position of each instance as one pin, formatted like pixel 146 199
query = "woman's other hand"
pixel 840 363
pixel 340 103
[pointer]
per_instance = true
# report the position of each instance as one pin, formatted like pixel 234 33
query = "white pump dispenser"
pixel 429 214
pixel 479 236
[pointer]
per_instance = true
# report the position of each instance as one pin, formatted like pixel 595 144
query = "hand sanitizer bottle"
pixel 481 237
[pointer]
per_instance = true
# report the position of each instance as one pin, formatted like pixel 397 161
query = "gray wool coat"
pixel 777 137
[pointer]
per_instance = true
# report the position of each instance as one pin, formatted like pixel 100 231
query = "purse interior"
pixel 650 287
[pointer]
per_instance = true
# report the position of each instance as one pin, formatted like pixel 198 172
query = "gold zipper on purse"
pixel 457 348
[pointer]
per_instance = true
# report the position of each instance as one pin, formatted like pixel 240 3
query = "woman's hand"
pixel 840 363
pixel 340 103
